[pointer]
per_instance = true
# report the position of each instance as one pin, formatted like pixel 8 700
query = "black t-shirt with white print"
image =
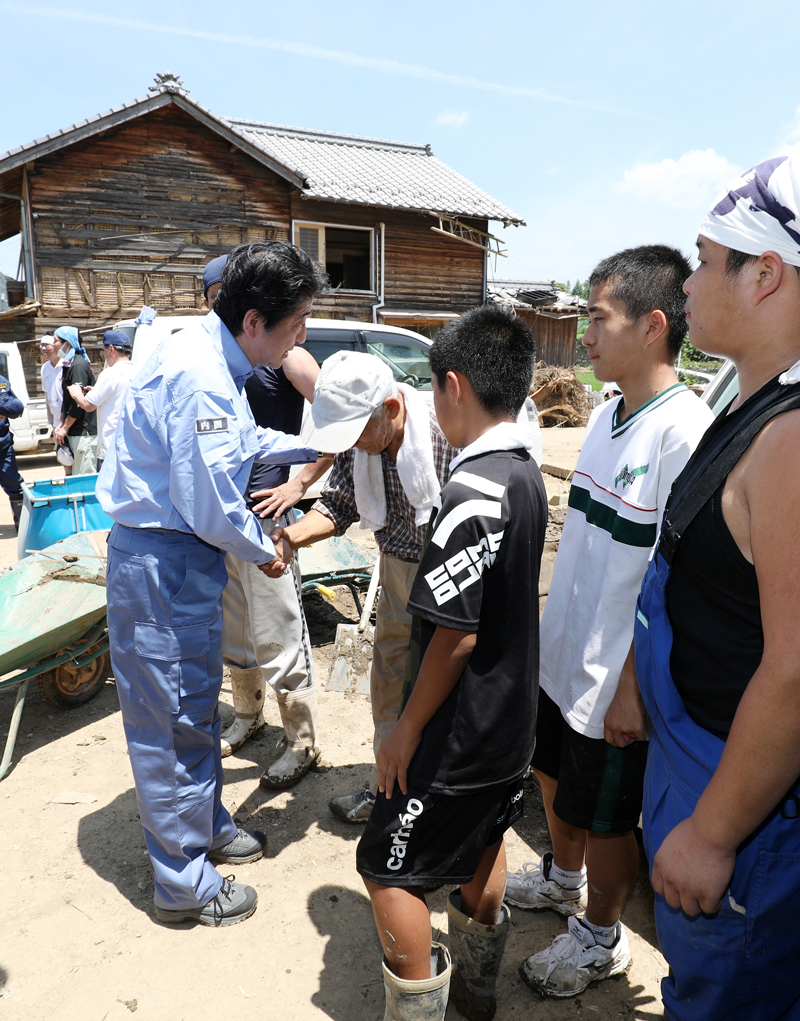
pixel 480 572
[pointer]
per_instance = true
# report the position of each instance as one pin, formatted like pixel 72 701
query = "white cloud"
pixel 453 118
pixel 689 183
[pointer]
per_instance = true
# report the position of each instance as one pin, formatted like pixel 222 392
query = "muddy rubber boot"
pixel 418 999
pixel 299 717
pixel 16 511
pixel 476 950
pixel 248 702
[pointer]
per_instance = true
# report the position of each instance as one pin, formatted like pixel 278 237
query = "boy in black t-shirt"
pixel 451 771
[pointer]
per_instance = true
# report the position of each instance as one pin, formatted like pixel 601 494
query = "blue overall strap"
pixel 742 963
pixel 717 455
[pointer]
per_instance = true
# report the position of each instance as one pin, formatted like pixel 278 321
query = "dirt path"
pixel 79 940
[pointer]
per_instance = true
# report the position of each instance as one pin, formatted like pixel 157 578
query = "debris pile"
pixel 559 397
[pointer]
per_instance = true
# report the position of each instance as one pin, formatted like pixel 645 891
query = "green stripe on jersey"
pixel 630 533
pixel 618 428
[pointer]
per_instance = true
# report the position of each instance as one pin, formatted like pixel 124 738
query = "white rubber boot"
pixel 248 702
pixel 419 1000
pixel 476 950
pixel 299 717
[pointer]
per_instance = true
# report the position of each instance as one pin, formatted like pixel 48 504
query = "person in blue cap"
pixel 108 393
pixel 173 482
pixel 78 428
pixel 10 479
pixel 212 279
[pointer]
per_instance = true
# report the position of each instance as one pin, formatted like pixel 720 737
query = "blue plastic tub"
pixel 52 509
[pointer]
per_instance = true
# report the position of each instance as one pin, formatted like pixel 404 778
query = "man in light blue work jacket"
pixel 173 482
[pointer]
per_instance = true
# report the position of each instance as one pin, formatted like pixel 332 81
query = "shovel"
pixel 352 651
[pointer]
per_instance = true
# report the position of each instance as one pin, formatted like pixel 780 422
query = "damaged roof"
pixel 373 171
pixel 323 165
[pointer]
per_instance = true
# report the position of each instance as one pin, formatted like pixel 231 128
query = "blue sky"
pixel 602 125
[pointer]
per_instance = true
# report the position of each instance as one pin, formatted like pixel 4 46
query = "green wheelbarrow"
pixel 53 627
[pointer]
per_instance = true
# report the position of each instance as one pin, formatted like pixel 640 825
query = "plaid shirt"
pixel 400 537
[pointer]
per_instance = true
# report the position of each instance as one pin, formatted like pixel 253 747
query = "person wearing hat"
pixel 391 461
pixel 212 279
pixel 256 607
pixel 174 483
pixel 78 428
pixel 716 641
pixel 107 395
pixel 50 372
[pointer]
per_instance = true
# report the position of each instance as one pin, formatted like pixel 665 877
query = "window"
pixel 3 364
pixel 322 343
pixel 345 253
pixel 409 362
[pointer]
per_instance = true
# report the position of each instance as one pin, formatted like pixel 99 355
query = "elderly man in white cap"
pixel 392 460
pixel 717 646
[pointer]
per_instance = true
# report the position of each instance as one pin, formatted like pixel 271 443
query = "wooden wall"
pixel 106 212
pixel 555 336
pixel 424 271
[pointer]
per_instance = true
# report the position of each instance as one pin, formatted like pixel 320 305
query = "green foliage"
pixel 581 290
pixel 588 378
pixel 690 356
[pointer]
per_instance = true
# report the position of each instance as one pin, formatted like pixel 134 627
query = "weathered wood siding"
pixel 555 336
pixel 424 270
pixel 132 217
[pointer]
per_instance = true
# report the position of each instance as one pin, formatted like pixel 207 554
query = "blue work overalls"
pixel 165 625
pixel 743 963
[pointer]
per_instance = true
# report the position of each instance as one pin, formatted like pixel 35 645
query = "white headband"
pixel 760 211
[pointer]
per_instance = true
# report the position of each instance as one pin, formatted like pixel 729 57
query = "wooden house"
pixel 551 315
pixel 127 207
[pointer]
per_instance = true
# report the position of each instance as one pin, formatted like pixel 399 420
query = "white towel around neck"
pixel 415 468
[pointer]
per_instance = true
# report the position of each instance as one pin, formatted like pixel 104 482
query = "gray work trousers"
pixel 264 624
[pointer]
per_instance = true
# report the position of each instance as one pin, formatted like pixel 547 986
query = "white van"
pixel 405 352
pixel 32 430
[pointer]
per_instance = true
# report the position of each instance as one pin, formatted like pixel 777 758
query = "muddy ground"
pixel 79 941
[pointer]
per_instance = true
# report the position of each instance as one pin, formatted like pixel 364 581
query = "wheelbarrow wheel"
pixel 66 687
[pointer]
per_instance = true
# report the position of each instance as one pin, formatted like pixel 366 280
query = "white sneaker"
pixel 531 887
pixel 574 961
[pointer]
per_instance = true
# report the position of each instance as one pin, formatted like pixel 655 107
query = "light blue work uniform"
pixel 173 482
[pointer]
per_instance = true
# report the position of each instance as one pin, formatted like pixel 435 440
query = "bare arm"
pixel 311 528
pixel 302 371
pixel 442 666
pixel 77 394
pixel 626 718
pixel 761 759
pixel 274 502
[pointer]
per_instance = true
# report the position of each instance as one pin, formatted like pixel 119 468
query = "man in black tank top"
pixel 717 640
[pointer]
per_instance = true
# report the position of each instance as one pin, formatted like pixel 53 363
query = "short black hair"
pixel 272 277
pixel 647 278
pixel 495 350
pixel 735 262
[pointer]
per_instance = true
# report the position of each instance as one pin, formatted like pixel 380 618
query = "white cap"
pixel 351 385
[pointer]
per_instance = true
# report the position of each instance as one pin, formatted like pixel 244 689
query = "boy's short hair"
pixel 272 277
pixel 495 350
pixel 647 278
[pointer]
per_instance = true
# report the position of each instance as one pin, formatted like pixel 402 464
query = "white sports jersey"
pixel 622 480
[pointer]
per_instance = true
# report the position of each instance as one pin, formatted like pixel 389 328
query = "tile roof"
pixel 373 171
pixel 338 168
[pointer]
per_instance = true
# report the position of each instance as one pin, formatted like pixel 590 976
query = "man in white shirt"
pixel 51 375
pixel 108 393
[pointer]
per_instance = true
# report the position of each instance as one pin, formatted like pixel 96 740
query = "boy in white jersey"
pixel 634 448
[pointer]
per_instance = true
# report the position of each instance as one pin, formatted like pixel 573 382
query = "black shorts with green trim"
pixel 599 785
pixel 424 839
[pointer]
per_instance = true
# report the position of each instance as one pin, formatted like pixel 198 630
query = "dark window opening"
pixel 347 258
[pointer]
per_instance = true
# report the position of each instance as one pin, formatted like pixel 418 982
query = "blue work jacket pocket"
pixel 174 663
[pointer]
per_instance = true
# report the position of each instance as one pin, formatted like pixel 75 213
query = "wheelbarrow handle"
pixel 370 600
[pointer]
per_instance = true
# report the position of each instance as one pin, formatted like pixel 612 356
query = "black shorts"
pixel 423 839
pixel 599 785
